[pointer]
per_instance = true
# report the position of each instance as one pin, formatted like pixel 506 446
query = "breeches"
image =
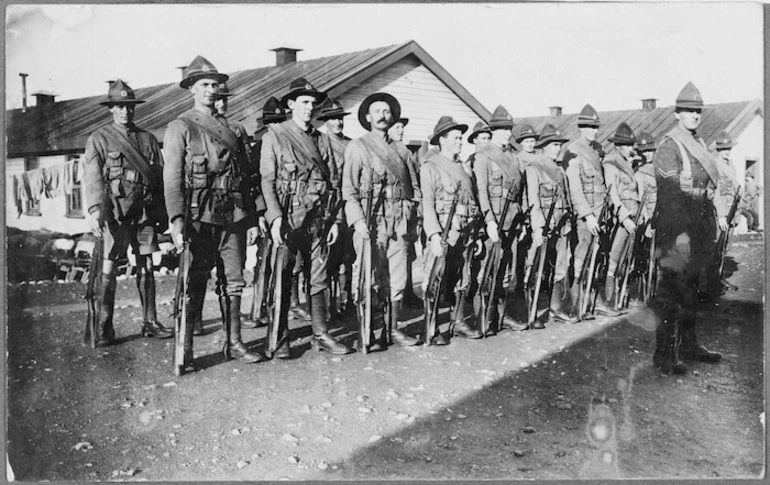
pixel 389 258
pixel 118 236
pixel 223 247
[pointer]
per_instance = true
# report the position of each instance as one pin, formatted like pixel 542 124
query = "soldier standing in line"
pixel 297 159
pixel 499 176
pixel 727 189
pixel 479 137
pixel 583 158
pixel 396 133
pixel 439 178
pixel 624 198
pixel 124 194
pixel 648 192
pixel 371 162
pixel 687 176
pixel 208 203
pixel 341 254
pixel 526 137
pixel 747 206
pixel 543 177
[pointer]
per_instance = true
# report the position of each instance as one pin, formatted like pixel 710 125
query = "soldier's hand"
pixel 275 231
pixel 722 221
pixel 177 231
pixel 592 224
pixel 650 232
pixel 479 247
pixel 629 225
pixel 334 232
pixel 361 229
pixel 252 234
pixel 537 237
pixel 492 231
pixel 262 224
pixel 95 222
pixel 435 245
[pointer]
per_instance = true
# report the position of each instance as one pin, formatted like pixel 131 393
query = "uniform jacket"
pixel 287 150
pixel 251 168
pixel 727 187
pixel 111 182
pixel 371 161
pixel 543 177
pixel 645 181
pixel 212 163
pixel 750 196
pixel 525 158
pixel 339 144
pixel 621 182
pixel 496 169
pixel 585 177
pixel 439 177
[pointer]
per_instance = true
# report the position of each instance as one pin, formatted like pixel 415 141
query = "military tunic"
pixel 342 253
pixel 727 187
pixel 624 199
pixel 648 190
pixel 374 162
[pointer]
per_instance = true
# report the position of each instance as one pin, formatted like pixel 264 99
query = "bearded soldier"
pixel 441 177
pixel 687 177
pixel 298 162
pixel 587 190
pixel 124 196
pixel 499 176
pixel 376 163
pixel 209 204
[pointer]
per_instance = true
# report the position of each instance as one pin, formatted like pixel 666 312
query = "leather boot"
pixel 604 299
pixel 146 287
pixel 691 349
pixel 322 341
pixel 458 325
pixel 397 336
pixel 105 332
pixel 296 312
pixel 666 357
pixel 556 310
pixel 197 292
pixel 507 322
pixel 235 348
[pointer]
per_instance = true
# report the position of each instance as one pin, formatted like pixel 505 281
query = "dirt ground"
pixel 570 401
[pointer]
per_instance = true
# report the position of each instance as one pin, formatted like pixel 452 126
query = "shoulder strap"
pixel 134 157
pixel 213 128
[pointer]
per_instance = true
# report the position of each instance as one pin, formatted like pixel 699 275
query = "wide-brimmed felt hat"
pixel 445 125
pixel 550 134
pixel 300 87
pixel 201 68
pixel 403 121
pixel 623 135
pixel 689 98
pixel 120 93
pixel 588 117
pixel 724 141
pixel 272 112
pixel 501 119
pixel 478 129
pixel 363 110
pixel 645 142
pixel 525 131
pixel 224 91
pixel 331 109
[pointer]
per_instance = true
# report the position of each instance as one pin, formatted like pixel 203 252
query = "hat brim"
pixel 645 148
pixel 318 95
pixel 190 80
pixel 331 116
pixel 501 125
pixel 363 110
pixel 724 146
pixel 122 101
pixel 621 141
pixel 456 126
pixel 550 139
pixel 472 136
pixel 520 138
pixel 588 124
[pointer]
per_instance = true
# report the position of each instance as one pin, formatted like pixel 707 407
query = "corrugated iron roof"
pixel 730 117
pixel 64 126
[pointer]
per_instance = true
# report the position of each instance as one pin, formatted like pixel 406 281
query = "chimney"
pixel 285 55
pixel 184 71
pixel 648 104
pixel 44 98
pixel 555 110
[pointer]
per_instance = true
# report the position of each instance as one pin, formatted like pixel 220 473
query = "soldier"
pixel 124 196
pixel 208 204
pixel 748 203
pixel 298 160
pixel 648 192
pixel 479 137
pixel 526 137
pixel 499 176
pixel 341 254
pixel 543 177
pixel 686 175
pixel 439 177
pixel 372 161
pixel 728 180
pixel 583 158
pixel 624 198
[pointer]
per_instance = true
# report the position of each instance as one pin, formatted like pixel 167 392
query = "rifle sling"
pixel 133 155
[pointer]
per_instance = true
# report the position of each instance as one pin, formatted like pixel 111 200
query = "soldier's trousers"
pixel 223 247
pixel 313 252
pixel 582 248
pixel 505 282
pixel 457 275
pixel 561 246
pixel 621 235
pixel 389 262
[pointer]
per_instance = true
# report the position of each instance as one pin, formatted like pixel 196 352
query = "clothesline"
pixel 46 181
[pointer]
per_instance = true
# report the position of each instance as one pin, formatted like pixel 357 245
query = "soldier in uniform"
pixel 583 158
pixel 747 206
pixel 439 178
pixel 624 197
pixel 526 137
pixel 543 177
pixel 499 176
pixel 648 193
pixel 727 189
pixel 124 194
pixel 372 161
pixel 208 203
pixel 479 137
pixel 687 176
pixel 296 158
pixel 341 254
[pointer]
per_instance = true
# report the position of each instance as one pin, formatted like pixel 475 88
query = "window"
pixel 75 199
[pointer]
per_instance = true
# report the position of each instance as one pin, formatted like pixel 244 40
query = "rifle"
pixel 181 294
pixel 93 292
pixel 540 256
pixel 628 256
pixel 364 309
pixel 274 297
pixel 261 276
pixel 724 238
pixel 588 271
pixel 433 288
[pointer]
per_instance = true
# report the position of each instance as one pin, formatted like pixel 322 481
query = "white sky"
pixel 524 56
